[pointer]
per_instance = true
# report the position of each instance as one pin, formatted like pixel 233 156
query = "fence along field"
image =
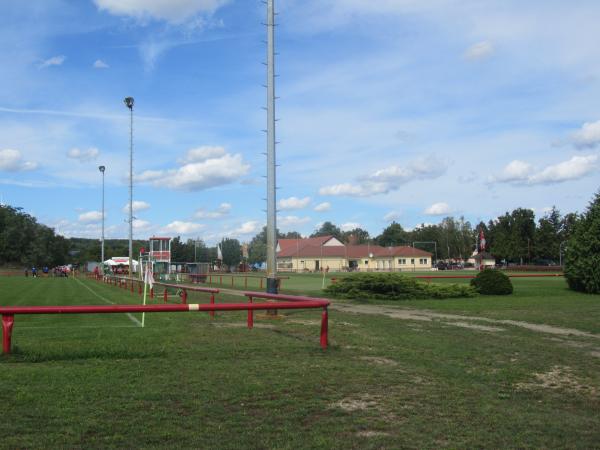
pixel 101 381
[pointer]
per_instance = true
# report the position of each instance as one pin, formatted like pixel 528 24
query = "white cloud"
pixel 138 205
pixel 522 173
pixel 90 217
pixel 54 61
pixel 349 226
pixel 392 216
pixel 140 225
pixel 99 64
pixel 293 203
pixel 83 155
pixel 174 11
pixel 183 228
pixel 480 50
pixel 213 170
pixel 588 136
pixel 202 154
pixel 438 209
pixel 515 171
pixel 291 221
pixel 573 169
pixel 322 207
pixel 12 161
pixel 250 227
pixel 221 211
pixel 389 179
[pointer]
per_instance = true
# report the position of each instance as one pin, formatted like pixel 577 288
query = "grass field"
pixel 185 381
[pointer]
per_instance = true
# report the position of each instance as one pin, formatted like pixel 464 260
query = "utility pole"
pixel 271 159
pixel 129 103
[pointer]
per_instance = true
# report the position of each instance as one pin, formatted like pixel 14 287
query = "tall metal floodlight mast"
pixel 271 196
pixel 129 103
pixel 102 169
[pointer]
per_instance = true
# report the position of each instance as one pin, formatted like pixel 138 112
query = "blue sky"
pixel 399 110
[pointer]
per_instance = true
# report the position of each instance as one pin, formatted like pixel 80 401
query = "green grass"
pixel 536 300
pixel 184 381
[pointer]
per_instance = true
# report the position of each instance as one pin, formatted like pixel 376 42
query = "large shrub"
pixel 582 253
pixel 492 282
pixel 394 286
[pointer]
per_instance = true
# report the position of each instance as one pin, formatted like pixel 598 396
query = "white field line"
pixel 132 318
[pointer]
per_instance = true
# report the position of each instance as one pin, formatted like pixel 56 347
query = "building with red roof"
pixel 328 253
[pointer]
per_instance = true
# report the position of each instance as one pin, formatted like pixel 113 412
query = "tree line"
pixel 515 237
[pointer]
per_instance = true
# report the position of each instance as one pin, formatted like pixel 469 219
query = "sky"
pixel 395 110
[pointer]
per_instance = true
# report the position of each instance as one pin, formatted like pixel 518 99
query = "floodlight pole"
pixel 271 160
pixel 102 169
pixel 129 101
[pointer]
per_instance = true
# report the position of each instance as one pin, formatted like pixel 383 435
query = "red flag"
pixel 481 241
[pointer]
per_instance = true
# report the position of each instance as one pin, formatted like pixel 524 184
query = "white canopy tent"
pixel 122 261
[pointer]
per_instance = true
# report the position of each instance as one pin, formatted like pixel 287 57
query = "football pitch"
pixel 518 371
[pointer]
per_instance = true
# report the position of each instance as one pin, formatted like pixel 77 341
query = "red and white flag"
pixel 481 241
pixel 148 276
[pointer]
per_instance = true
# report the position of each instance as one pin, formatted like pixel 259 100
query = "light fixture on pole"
pixel 102 169
pixel 129 103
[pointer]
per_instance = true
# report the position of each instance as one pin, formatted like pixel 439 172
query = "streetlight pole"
pixel 560 252
pixel 129 103
pixel 102 169
pixel 271 160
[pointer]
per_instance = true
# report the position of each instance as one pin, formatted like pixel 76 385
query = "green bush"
pixel 492 282
pixel 582 252
pixel 394 286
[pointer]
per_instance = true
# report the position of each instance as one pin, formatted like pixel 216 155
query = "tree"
pixel 356 236
pixel 328 229
pixel 257 248
pixel 232 252
pixel 393 235
pixel 512 236
pixel 547 236
pixel 582 257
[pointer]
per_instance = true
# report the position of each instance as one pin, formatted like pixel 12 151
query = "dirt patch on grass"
pixel 455 319
pixel 560 378
pixel 306 322
pixel 473 326
pixel 240 325
pixel 595 354
pixel 372 434
pixel 379 360
pixel 359 403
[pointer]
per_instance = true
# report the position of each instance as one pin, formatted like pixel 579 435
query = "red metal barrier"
pixel 291 299
pixel 8 312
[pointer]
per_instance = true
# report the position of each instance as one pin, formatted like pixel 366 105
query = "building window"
pixel 402 261
pixel 423 261
pixel 412 261
pixel 366 262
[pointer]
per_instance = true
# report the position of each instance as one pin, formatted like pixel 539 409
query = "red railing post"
pixel 151 292
pixel 212 302
pixel 324 327
pixel 250 314
pixel 8 321
pixel 132 286
pixel 165 295
pixel 140 288
pixel 184 297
